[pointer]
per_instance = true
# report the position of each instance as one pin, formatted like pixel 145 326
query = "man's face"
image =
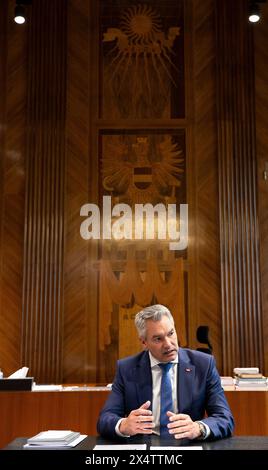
pixel 161 339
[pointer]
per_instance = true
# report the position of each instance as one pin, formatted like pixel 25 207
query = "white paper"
pixel 19 374
pixel 56 444
pixel 46 388
pixel 120 447
pixel 246 370
pixel 176 448
pixel 51 435
pixel 82 388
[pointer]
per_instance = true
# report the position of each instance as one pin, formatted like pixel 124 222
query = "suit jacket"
pixel 199 392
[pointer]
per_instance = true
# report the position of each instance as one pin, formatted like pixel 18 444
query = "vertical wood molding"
pixel 261 80
pixel 44 218
pixel 80 338
pixel 205 172
pixel 241 309
pixel 13 79
pixel 3 87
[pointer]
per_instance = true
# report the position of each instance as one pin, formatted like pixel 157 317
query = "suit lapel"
pixel 143 379
pixel 185 383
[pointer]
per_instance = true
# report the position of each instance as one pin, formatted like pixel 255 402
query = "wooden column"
pixel 80 280
pixel 261 80
pixel 13 83
pixel 44 217
pixel 240 280
pixel 204 174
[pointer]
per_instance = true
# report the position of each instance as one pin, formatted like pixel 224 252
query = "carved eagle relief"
pixel 147 170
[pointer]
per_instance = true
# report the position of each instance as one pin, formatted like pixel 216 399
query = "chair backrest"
pixel 205 350
pixel 202 336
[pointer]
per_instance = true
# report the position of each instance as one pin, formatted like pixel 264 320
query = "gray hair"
pixel 155 313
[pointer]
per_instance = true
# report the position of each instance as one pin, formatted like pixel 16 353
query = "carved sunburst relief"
pixel 141 24
pixel 140 67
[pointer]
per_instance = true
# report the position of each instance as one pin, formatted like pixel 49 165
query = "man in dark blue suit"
pixel 185 401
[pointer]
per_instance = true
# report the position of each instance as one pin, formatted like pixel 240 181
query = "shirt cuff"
pixel 208 432
pixel 117 428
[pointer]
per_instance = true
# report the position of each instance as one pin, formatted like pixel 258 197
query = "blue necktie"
pixel 166 402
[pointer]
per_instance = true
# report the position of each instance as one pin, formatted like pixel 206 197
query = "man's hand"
pixel 181 426
pixel 139 421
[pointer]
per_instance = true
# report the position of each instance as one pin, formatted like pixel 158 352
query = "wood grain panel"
pixel 133 99
pixel 261 80
pixel 27 413
pixel 3 85
pixel 204 173
pixel 80 286
pixel 241 311
pixel 44 218
pixel 60 280
pixel 250 411
pixel 13 79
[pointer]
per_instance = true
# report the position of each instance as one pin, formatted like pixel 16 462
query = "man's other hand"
pixel 139 421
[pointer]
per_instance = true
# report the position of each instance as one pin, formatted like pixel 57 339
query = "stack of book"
pixel 249 378
pixel 227 383
pixel 52 438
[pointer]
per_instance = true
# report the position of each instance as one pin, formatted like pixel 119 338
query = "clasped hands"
pixel 140 421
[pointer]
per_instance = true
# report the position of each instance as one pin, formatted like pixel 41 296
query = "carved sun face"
pixel 141 24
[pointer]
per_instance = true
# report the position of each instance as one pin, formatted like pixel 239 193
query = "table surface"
pixel 233 443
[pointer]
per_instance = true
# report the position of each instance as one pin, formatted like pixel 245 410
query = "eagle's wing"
pixel 167 172
pixel 116 171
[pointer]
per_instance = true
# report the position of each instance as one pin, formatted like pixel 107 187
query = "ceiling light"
pixel 254 12
pixel 19 16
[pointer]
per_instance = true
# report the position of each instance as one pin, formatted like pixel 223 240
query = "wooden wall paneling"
pixel 190 265
pixel 261 109
pixel 241 312
pixel 3 85
pixel 28 413
pixel 60 279
pixel 13 79
pixel 250 412
pixel 204 171
pixel 44 218
pixel 94 355
pixel 129 111
pixel 80 288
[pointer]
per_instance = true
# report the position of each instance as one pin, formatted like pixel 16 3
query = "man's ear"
pixel 143 342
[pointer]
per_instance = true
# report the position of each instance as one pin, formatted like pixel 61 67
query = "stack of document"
pixel 55 439
pixel 227 383
pixel 250 378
